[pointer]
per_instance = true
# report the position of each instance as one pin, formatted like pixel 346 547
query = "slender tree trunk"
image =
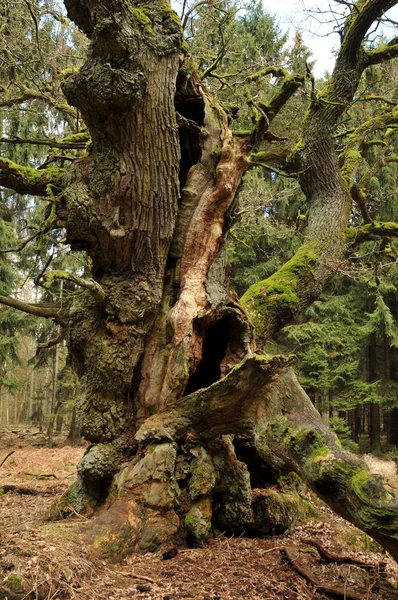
pixel 4 408
pixel 355 422
pixel 17 401
pixel 53 403
pixel 374 429
pixel 392 431
pixel 74 430
pixel 322 404
pixel 31 393
pixel 59 423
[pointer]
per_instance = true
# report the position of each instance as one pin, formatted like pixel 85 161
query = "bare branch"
pixel 264 113
pixel 34 18
pixel 29 94
pixel 50 343
pixel 23 244
pixel 195 7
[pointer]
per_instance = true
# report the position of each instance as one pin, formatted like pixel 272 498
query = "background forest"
pixel 346 344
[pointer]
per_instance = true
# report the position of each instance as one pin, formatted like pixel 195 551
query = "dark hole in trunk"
pixel 189 104
pixel 214 347
pixel 261 475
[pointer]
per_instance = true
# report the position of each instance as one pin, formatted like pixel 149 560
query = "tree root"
pixel 292 555
pixel 261 400
pixel 329 555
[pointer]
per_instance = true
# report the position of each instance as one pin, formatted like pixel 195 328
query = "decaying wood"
pixel 40 475
pixel 332 556
pixel 292 554
pixel 23 491
pixel 20 490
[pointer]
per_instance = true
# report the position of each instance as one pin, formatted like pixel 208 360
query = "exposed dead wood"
pixel 19 490
pixel 134 576
pixel 5 489
pixel 292 555
pixel 330 555
pixel 40 475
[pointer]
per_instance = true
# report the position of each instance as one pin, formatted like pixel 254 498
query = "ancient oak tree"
pixel 186 414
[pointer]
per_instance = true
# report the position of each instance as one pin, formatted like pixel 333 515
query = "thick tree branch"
pixel 299 437
pixel 290 85
pixel 33 309
pixel 209 411
pixel 363 14
pixel 77 142
pixel 370 231
pixel 383 53
pixel 274 302
pixel 356 136
pixel 26 180
pixel 269 156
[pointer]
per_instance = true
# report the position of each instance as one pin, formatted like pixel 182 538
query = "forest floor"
pixel 47 560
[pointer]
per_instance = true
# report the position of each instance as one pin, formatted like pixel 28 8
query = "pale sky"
pixel 317 29
pixel 293 14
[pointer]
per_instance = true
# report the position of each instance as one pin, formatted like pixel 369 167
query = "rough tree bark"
pixel 185 421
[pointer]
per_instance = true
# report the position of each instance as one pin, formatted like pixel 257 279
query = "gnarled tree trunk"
pixel 179 411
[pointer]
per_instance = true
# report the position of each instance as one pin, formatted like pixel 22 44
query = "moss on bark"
pixel 278 297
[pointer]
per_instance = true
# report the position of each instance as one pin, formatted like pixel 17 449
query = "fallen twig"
pixel 292 555
pixel 133 576
pixel 272 549
pixel 81 516
pixel 40 475
pixel 4 459
pixel 331 556
pixel 5 489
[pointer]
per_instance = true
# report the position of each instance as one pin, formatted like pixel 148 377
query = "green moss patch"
pixel 281 290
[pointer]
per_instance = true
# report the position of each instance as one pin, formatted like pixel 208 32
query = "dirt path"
pixel 53 560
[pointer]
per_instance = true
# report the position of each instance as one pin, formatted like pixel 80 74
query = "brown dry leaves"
pixel 53 560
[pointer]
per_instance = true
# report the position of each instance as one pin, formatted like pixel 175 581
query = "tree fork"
pixel 165 354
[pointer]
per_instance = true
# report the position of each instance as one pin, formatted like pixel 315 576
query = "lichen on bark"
pixel 171 384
